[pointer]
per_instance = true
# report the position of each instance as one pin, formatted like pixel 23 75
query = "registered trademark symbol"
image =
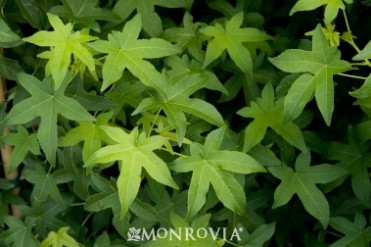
pixel 240 229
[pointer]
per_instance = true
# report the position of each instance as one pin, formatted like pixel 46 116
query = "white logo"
pixel 183 233
pixel 133 234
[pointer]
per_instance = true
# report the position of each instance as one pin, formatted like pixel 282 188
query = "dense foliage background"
pixel 123 114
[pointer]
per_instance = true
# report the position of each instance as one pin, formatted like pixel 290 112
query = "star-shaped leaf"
pixel 126 51
pixel 209 165
pixel 45 103
pixel 332 7
pixel 268 113
pixel 23 143
pixel 59 239
pixel 231 38
pixel 45 215
pixel 152 23
pixel 64 43
pixel 355 233
pixel 354 157
pixel 88 132
pixel 183 67
pixel 45 184
pixel 303 182
pixel 319 65
pixel 186 37
pixel 134 152
pixel 173 99
pixel 85 12
pixel 19 233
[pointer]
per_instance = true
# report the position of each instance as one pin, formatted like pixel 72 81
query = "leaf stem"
pixel 179 154
pixel 229 242
pixel 153 123
pixel 350 38
pixel 353 76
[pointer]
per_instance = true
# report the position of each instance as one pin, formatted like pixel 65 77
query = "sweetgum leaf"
pixel 152 23
pixel 64 43
pixel 332 7
pixel 268 113
pixel 23 143
pixel 230 38
pixel 126 51
pixel 209 165
pixel 303 182
pixel 134 153
pixel 47 104
pixel 321 64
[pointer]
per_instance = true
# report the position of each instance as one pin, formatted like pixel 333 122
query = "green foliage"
pixel 131 120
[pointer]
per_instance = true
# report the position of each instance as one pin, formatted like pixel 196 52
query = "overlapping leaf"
pixel 7 37
pixel 152 23
pixel 209 165
pixel 59 239
pixel 319 66
pixel 355 233
pixel 46 103
pixel 126 51
pixel 64 43
pixel 88 132
pixel 45 184
pixel 85 12
pixel 303 182
pixel 354 157
pixel 332 7
pixel 231 38
pixel 19 233
pixel 186 37
pixel 173 99
pixel 180 225
pixel 268 113
pixel 134 153
pixel 23 143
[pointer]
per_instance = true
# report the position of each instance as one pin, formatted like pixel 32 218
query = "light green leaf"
pixel 88 132
pixel 261 235
pixel 303 182
pixel 59 239
pixel 298 96
pixel 64 43
pixel 323 62
pixel 231 38
pixel 365 53
pixel 125 51
pixel 174 101
pixel 46 104
pixel 211 166
pixel 332 7
pixel 186 37
pixel 134 153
